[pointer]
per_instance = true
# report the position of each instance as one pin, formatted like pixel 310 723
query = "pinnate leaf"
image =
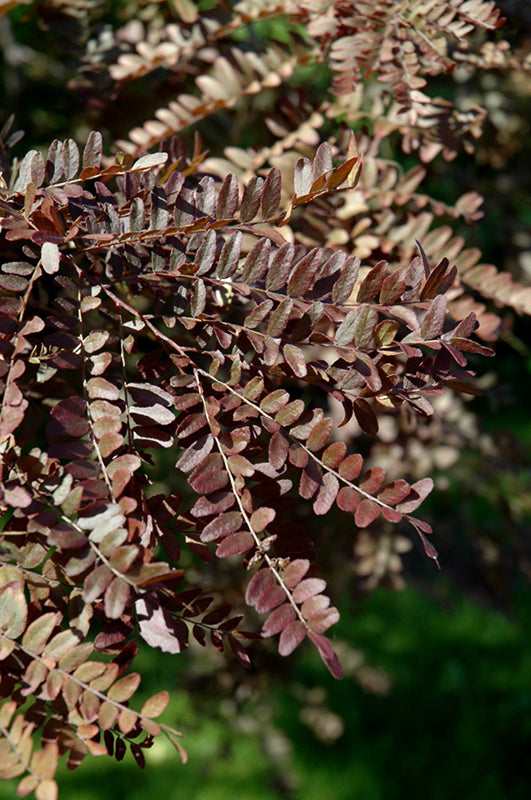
pixel 291 637
pixel 60 645
pixel 38 633
pixel 346 331
pixel 385 332
pixel 322 621
pixel 366 512
pixel 124 688
pixel 390 514
pixel 327 653
pixel 158 629
pixel 240 652
pixel 371 284
pixel 303 276
pixel 372 480
pixel 256 262
pixel 195 453
pixel 71 158
pixel 270 200
pixel 263 579
pixel 279 619
pixel 429 549
pixel 280 317
pixel 261 518
pixel 290 413
pixel 278 450
pixel 315 605
pixel 334 454
pixel 96 583
pixel 227 201
pixel 230 254
pixel 341 173
pixel 275 401
pixel 326 495
pixel 351 466
pixel 209 476
pixel 127 720
pixel 295 359
pixel 303 177
pixel 433 321
pixel 13 609
pixel 258 314
pixel 394 492
pixel 149 161
pixel 307 588
pixel 251 198
pixel 346 281
pixel 269 598
pixel 222 526
pixel 320 434
pixel 235 544
pixel 50 257
pixel 439 280
pixel 155 705
pixel 366 417
pixel 418 492
pixel 76 656
pixel 295 571
pixel 280 267
pixel 93 150
pixel 47 790
pixel 116 598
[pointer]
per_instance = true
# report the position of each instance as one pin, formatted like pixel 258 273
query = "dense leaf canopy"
pixel 241 317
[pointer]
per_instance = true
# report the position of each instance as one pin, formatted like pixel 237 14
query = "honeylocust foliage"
pixel 169 305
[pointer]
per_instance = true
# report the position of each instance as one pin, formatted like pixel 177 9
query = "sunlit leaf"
pixel 155 705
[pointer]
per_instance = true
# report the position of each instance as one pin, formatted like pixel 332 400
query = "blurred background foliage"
pixel 437 691
pixel 435 700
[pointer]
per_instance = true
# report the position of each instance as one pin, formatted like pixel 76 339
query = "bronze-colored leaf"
pixel 262 580
pixel 295 360
pixel 13 609
pixel 60 645
pixel 307 588
pixel 127 719
pixel 78 655
pixel 269 598
pixel 240 652
pixel 327 653
pixel 291 637
pixel 366 512
pixel 280 317
pixel 372 480
pixel 223 525
pixel 261 518
pixel 351 466
pixel 47 790
pixel 418 492
pixel 124 688
pixel 326 494
pixel 235 544
pixel 295 571
pixel 274 401
pixel 270 199
pixel 280 618
pixel 116 598
pixel 40 630
pixel 320 434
